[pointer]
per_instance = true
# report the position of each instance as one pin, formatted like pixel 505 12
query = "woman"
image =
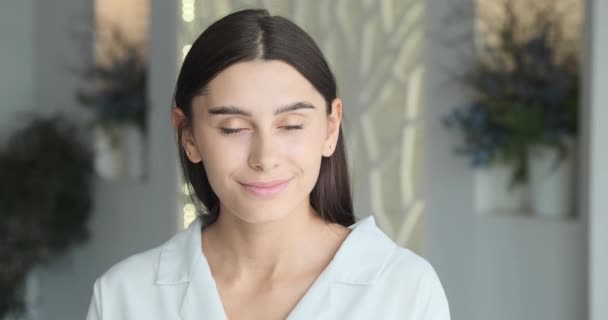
pixel 258 123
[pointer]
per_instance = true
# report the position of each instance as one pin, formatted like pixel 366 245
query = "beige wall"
pixel 375 50
pixel 131 15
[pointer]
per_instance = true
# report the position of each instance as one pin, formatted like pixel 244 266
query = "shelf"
pixel 526 215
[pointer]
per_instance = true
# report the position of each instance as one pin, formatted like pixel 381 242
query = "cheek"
pixel 309 140
pixel 222 157
pixel 306 151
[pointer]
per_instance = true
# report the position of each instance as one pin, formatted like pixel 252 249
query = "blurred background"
pixel 474 131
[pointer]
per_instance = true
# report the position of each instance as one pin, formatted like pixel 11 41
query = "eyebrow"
pixel 234 110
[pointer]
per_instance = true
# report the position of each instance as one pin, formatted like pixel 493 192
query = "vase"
pixel 123 159
pixel 494 193
pixel 133 152
pixel 107 157
pixel 552 181
pixel 31 295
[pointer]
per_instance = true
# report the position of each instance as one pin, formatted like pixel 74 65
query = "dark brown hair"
pixel 250 35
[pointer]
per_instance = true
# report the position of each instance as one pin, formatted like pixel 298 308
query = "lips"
pixel 266 188
pixel 268 184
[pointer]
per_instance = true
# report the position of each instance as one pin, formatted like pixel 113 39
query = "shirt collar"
pixel 177 256
pixel 359 260
pixel 363 255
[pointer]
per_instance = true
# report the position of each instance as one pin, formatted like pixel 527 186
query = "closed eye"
pixel 293 127
pixel 227 131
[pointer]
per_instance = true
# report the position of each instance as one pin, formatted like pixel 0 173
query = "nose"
pixel 263 154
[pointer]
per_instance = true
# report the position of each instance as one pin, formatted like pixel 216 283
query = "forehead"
pixel 260 85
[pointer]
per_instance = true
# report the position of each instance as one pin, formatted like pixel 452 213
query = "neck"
pixel 239 250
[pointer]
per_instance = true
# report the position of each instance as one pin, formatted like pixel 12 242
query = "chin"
pixel 265 213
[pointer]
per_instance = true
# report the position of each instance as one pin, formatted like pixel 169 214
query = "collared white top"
pixel 370 277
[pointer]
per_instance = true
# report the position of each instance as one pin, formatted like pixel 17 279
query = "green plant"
pixel 114 87
pixel 45 200
pixel 524 85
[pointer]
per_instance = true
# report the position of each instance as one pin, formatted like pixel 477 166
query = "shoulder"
pixel 404 269
pixel 403 262
pixel 368 256
pixel 137 270
pixel 403 274
pixel 121 283
pixel 152 266
pixel 128 288
pixel 370 247
pixel 403 281
pixel 408 276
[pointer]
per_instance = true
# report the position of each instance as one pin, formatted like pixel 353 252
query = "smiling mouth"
pixel 266 189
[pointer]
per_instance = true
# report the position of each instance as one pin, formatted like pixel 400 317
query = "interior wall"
pixel 492 267
pixel 17 62
pixel 128 216
pixel 597 77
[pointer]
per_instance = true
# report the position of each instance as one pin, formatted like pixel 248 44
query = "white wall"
pixel 127 217
pixel 449 222
pixel 598 159
pixel 17 85
pixel 491 267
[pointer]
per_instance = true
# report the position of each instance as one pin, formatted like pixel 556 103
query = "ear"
pixel 333 127
pixel 187 139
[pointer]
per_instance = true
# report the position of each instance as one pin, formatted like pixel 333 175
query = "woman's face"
pixel 261 130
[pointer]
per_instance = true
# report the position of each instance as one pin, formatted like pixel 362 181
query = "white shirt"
pixel 370 277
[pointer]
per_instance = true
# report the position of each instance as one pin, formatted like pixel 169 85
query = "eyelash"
pixel 229 131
